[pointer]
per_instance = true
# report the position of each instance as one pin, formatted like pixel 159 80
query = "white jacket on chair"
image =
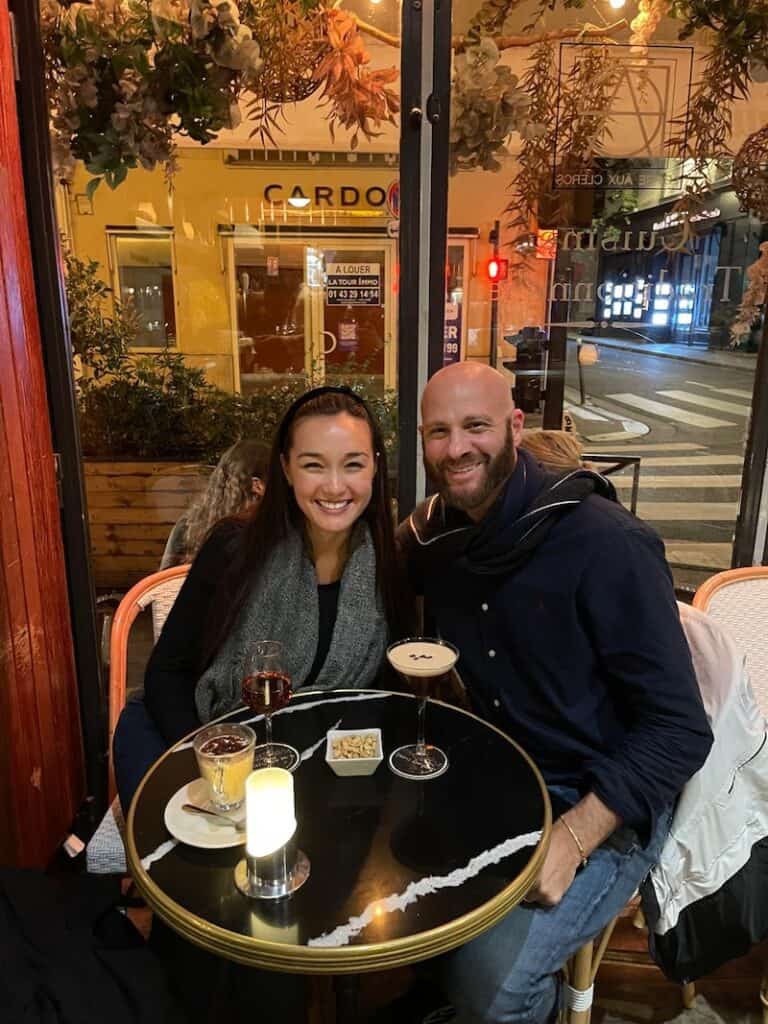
pixel 706 901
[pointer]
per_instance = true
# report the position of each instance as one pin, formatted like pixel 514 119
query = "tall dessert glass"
pixel 422 662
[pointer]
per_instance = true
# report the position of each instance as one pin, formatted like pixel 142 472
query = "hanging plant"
pixel 360 100
pixel 533 181
pixel 740 33
pixel 589 91
pixel 125 77
pixel 752 306
pixel 487 105
pixel 749 174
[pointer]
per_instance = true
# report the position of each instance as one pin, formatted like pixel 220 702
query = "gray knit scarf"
pixel 283 606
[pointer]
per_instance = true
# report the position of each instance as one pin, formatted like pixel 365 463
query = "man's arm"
pixel 589 822
pixel 628 605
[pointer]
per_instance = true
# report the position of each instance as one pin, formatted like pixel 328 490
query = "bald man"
pixel 562 607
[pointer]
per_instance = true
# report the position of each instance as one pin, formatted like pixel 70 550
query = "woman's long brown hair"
pixel 278 514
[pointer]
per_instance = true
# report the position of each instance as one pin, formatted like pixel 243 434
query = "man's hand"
pixel 592 822
pixel 558 871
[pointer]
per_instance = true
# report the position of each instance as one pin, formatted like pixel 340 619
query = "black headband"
pixel 309 396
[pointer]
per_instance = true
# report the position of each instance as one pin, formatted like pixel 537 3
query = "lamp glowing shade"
pixel 269 811
pixel 616 5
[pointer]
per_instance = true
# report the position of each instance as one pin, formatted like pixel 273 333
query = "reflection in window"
pixel 144 268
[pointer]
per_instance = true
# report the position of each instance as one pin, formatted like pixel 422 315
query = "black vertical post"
pixel 411 126
pixel 555 392
pixel 439 116
pixel 426 29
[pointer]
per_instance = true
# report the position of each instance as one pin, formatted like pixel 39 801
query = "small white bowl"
pixel 353 765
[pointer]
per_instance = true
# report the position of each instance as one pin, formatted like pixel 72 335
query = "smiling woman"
pixel 313 567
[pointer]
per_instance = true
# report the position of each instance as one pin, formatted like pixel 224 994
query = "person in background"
pixel 561 604
pixel 555 450
pixel 314 566
pixel 234 487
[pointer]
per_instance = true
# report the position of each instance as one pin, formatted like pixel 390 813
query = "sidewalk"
pixel 670 350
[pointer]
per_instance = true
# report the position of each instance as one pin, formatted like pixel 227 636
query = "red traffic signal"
pixel 497 269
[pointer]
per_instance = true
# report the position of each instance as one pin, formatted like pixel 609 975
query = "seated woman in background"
pixel 235 485
pixel 314 566
pixel 555 450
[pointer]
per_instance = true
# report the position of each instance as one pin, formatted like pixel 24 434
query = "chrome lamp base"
pixel 275 876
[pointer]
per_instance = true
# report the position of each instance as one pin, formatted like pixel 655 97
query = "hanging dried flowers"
pixel 360 100
pixel 646 21
pixel 749 174
pixel 752 306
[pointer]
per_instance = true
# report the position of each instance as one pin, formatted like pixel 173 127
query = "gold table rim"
pixel 377 956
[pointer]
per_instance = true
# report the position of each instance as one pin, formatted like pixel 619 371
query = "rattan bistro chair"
pixel 105 853
pixel 738 600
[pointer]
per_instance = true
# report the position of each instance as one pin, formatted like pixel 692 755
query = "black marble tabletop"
pixel 400 870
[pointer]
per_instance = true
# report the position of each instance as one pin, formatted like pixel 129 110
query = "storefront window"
pixel 144 269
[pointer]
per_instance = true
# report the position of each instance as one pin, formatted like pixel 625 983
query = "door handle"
pixel 333 344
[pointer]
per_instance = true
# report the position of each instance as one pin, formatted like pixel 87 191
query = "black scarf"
pixel 530 504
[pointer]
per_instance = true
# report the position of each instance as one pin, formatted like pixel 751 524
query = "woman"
pixel 555 450
pixel 314 566
pixel 235 485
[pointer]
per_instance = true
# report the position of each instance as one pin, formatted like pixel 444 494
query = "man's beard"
pixel 498 469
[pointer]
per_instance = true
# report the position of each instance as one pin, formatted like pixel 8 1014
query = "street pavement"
pixel 687 419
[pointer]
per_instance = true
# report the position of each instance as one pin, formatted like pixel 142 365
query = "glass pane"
pixel 145 281
pixel 579 140
pixel 227 244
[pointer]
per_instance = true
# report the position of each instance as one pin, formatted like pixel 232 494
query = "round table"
pixel 400 870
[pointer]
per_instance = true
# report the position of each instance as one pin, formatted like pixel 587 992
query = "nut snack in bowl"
pixel 354 751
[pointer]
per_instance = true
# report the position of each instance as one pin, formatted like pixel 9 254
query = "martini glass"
pixel 423 662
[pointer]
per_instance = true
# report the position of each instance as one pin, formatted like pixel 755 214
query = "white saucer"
pixel 197 829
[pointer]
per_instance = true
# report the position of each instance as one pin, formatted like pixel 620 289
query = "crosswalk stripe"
pixel 713 555
pixel 612 435
pixel 735 392
pixel 692 511
pixel 703 480
pixel 667 446
pixel 706 402
pixel 691 460
pixel 670 412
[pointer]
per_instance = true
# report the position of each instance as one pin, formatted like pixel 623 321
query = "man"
pixel 562 607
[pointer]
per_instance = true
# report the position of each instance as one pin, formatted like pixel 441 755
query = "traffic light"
pixel 497 269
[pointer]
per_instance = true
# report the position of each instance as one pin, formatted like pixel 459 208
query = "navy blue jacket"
pixel 578 653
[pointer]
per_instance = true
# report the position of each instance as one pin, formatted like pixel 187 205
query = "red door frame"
pixel 41 759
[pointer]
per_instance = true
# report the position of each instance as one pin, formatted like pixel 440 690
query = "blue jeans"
pixel 136 746
pixel 509 974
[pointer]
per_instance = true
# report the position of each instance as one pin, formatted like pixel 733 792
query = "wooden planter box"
pixel 132 508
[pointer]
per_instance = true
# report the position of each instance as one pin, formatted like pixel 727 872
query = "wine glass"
pixel 266 688
pixel 423 662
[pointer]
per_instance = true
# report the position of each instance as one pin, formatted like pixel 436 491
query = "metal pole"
pixel 494 342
